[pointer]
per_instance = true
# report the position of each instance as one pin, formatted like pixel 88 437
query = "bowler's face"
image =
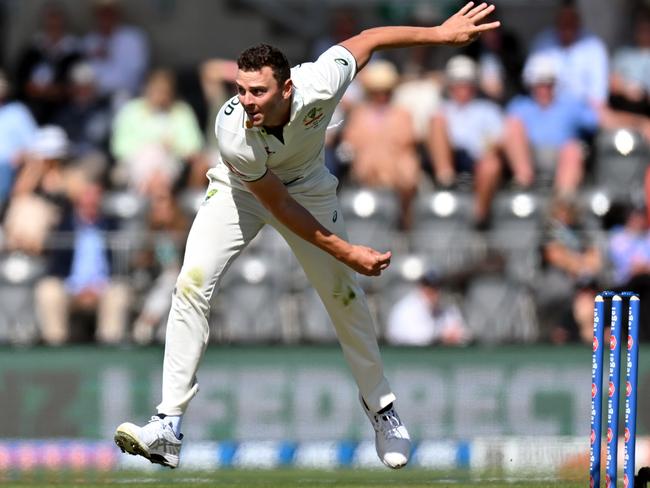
pixel 265 102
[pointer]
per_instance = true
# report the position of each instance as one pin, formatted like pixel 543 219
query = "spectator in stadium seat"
pixel 423 317
pixel 382 139
pixel 44 65
pixel 466 136
pixel 155 137
pixel 17 132
pixel 543 129
pixel 40 193
pixel 629 247
pixel 119 53
pixel 87 117
pixel 79 277
pixel 581 57
pixel 629 254
pixel 629 81
pixel 569 258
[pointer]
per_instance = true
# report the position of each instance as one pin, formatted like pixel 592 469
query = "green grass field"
pixel 280 478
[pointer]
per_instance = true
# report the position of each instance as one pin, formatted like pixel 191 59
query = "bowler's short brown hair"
pixel 256 57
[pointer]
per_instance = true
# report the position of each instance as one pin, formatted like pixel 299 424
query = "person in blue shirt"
pixel 542 130
pixel 17 132
pixel 581 57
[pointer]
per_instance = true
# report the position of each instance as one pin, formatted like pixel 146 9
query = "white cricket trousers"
pixel 223 226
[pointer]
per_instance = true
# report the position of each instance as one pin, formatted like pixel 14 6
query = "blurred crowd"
pixel 517 178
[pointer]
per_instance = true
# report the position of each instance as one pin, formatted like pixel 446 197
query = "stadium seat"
pixel 400 278
pixel 190 201
pixel 516 233
pixel 499 311
pixel 371 216
pixel 621 161
pixel 126 207
pixel 18 275
pixel 443 230
pixel 251 298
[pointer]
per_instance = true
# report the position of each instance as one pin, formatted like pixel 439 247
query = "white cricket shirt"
pixel 247 152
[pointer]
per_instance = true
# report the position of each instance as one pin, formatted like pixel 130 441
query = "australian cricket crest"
pixel 313 118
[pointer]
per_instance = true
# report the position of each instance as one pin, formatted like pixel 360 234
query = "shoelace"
pixel 388 422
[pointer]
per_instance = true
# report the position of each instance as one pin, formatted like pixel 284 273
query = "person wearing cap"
pixel 542 134
pixel 382 139
pixel 423 317
pixel 271 171
pixel 17 131
pixel 466 136
pixel 118 52
pixel 39 194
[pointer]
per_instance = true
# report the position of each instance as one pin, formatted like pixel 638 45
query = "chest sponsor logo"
pixel 313 118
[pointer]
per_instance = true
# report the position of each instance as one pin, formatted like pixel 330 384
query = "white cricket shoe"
pixel 155 441
pixel 392 440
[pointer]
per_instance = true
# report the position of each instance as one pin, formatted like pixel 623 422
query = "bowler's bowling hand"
pixel 463 27
pixel 367 261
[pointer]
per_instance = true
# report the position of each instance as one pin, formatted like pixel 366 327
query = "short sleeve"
pixel 494 121
pixel 585 116
pixel 516 107
pixel 337 68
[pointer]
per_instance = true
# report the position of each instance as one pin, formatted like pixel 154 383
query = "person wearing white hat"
pixel 466 136
pixel 382 139
pixel 542 129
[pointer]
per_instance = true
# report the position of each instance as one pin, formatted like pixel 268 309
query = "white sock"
pixel 175 421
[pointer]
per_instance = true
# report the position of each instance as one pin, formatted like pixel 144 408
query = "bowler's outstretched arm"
pixel 459 29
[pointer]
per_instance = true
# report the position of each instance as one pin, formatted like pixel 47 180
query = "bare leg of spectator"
pixel 517 149
pixel 112 313
pixel 440 151
pixel 487 176
pixel 406 196
pixel 52 310
pixel 569 168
